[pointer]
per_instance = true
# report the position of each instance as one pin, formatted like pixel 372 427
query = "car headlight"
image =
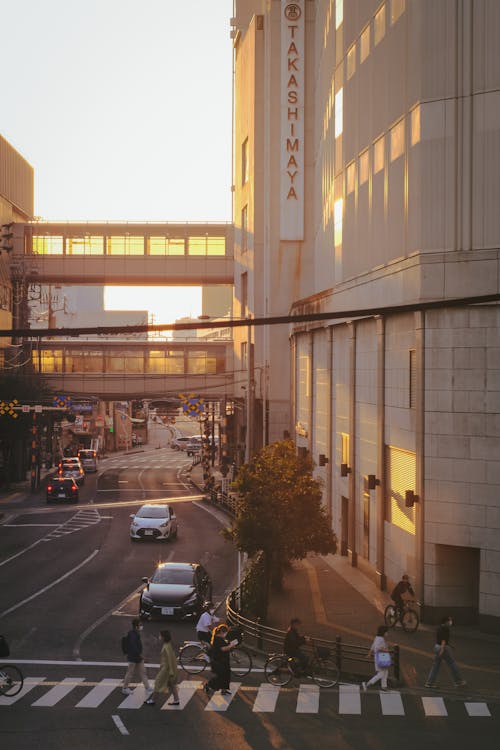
pixel 134 524
pixel 146 597
pixel 192 598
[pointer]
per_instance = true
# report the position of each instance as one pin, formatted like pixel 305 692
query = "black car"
pixel 62 489
pixel 175 590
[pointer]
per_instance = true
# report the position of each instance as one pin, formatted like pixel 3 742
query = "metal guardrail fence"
pixel 265 639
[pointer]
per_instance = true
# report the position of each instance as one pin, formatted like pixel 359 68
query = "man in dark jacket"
pixel 443 652
pixel 135 659
pixel 293 642
pixel 403 587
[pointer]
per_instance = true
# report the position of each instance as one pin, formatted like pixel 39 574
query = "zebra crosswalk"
pixel 307 699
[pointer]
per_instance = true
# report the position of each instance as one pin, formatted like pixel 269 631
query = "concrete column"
pixel 420 452
pixel 352 447
pixel 381 487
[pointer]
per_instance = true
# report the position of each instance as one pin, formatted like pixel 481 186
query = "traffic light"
pixel 6 236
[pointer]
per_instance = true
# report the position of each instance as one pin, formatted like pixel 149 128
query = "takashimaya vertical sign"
pixel 292 120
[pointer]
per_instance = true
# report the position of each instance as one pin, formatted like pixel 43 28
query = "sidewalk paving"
pixel 334 599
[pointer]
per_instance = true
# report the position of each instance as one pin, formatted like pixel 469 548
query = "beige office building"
pixel 366 177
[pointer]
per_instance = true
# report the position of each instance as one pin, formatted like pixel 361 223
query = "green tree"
pixel 280 511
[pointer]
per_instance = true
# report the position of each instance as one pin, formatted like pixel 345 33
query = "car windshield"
pixel 174 576
pixel 151 512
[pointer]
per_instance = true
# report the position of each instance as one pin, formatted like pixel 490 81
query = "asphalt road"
pixel 69 582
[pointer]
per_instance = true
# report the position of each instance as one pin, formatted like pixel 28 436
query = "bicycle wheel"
pixel 277 670
pixel 240 661
pixel 325 672
pixel 390 615
pixel 11 680
pixel 410 620
pixel 193 659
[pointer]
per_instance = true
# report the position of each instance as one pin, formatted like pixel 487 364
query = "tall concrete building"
pixel 366 153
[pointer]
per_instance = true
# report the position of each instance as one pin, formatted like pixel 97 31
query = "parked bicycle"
pixel 408 617
pixel 194 658
pixel 11 680
pixel 280 669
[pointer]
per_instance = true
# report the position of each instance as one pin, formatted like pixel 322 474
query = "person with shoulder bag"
pixel 135 658
pixel 382 657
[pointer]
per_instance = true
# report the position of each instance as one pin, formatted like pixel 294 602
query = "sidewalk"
pixel 334 599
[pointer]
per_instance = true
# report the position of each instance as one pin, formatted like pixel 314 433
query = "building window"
pixel 364 167
pixel 339 112
pixel 345 448
pixel 244 162
pixel 47 245
pixel 244 294
pixel 351 177
pixel 166 246
pixel 87 245
pixel 413 379
pixel 379 155
pixel 125 245
pixel 339 13
pixel 364 44
pixel 397 9
pixel 244 229
pixel 351 61
pixel 244 354
pixel 338 208
pixel 415 126
pixel 401 467
pixel 379 26
pixel 398 140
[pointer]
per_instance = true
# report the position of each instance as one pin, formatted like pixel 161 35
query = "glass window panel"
pixel 47 244
pixel 166 246
pixel 174 362
pixel 339 115
pixel 351 61
pixel 378 155
pixel 93 361
pixel 196 362
pixel 379 26
pixel 339 13
pixel 50 361
pixel 364 44
pixel 125 245
pixel 155 363
pixel 351 177
pixel 197 245
pixel 397 8
pixel 244 161
pixel 364 167
pixel 397 140
pixel 216 245
pixel 87 245
pixel 134 363
pixel 337 221
pixel 176 246
pixel 415 126
pixel 244 229
pixel 115 363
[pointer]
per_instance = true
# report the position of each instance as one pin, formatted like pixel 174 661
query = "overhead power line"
pixel 244 322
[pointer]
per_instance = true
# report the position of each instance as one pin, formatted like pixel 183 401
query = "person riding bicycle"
pixel 403 587
pixel 206 623
pixel 293 642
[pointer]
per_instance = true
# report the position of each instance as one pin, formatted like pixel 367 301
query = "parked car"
pixel 71 467
pixel 176 589
pixel 153 521
pixel 62 489
pixel 88 459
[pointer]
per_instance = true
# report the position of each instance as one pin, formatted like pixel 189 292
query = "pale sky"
pixel 123 108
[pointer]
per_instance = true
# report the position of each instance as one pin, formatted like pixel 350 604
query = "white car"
pixel 157 522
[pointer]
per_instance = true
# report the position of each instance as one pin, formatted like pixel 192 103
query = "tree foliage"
pixel 280 510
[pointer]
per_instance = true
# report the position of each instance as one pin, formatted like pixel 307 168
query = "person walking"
pixel 135 658
pixel 443 652
pixel 382 657
pixel 219 655
pixel 168 676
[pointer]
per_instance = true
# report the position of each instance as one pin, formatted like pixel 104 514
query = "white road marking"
pixel 477 709
pixel 136 699
pixel 120 725
pixel 50 585
pixel 308 699
pixel 58 692
pixel 349 699
pixel 29 684
pixel 434 706
pixel 99 693
pixel 187 689
pixel 267 695
pixel 392 704
pixel 219 702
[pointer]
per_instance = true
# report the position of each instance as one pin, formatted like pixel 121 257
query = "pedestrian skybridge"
pixel 124 370
pixel 135 254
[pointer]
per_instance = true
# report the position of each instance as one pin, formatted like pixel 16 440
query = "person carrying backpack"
pixel 135 658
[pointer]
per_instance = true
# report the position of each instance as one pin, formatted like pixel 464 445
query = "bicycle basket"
pixel 323 652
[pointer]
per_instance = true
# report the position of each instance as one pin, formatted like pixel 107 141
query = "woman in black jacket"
pixel 219 661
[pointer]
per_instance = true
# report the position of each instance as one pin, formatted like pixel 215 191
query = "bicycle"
pixel 280 669
pixel 194 658
pixel 11 680
pixel 408 617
